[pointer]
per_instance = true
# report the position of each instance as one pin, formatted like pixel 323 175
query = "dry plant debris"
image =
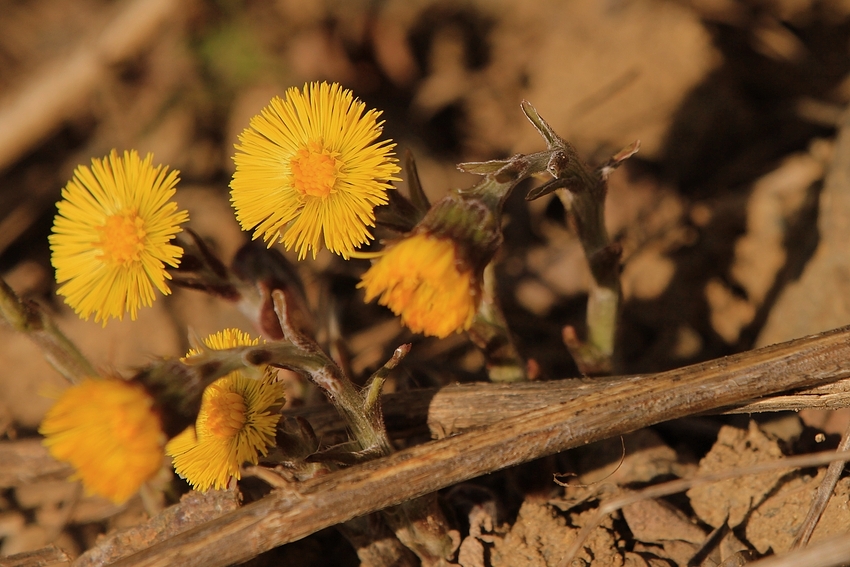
pixel 728 229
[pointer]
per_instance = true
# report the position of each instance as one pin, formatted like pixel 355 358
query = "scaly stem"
pixel 582 190
pixel 490 333
pixel 586 208
pixel 419 523
pixel 366 423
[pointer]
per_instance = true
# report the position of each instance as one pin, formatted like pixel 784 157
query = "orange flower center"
pixel 314 171
pixel 226 414
pixel 122 238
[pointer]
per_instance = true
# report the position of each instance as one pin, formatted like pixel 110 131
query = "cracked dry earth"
pixel 732 219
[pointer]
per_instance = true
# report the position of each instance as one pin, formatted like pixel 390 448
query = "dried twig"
pixel 59 90
pixel 831 552
pixel 194 509
pixel 822 496
pixel 633 403
pixel 27 460
pixel 453 409
pixel 50 556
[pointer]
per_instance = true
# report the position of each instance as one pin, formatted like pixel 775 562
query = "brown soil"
pixel 732 220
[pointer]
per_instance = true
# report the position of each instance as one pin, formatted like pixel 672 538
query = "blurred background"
pixel 733 216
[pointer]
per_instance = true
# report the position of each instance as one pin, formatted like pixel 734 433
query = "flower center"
pixel 122 238
pixel 226 414
pixel 314 171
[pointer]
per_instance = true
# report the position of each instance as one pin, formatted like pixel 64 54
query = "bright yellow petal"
pixel 236 424
pixel 309 171
pixel 419 278
pixel 111 237
pixel 108 431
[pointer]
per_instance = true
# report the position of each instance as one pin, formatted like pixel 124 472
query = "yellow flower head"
pixel 111 238
pixel 237 422
pixel 109 432
pixel 421 279
pixel 308 168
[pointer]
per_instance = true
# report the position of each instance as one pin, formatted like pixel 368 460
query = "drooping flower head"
pixel 310 171
pixel 431 278
pixel 236 424
pixel 111 238
pixel 109 431
pixel 420 280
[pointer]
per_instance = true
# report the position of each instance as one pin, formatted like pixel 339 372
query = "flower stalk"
pixel 489 329
pixel 420 523
pixel 367 425
pixel 582 190
pixel 490 333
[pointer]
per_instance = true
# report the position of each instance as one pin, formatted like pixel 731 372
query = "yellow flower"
pixel 237 422
pixel 421 279
pixel 111 238
pixel 109 432
pixel 308 169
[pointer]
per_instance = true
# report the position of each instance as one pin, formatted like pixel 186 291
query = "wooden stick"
pixel 50 556
pixel 26 461
pixel 56 92
pixel 288 515
pixel 440 412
